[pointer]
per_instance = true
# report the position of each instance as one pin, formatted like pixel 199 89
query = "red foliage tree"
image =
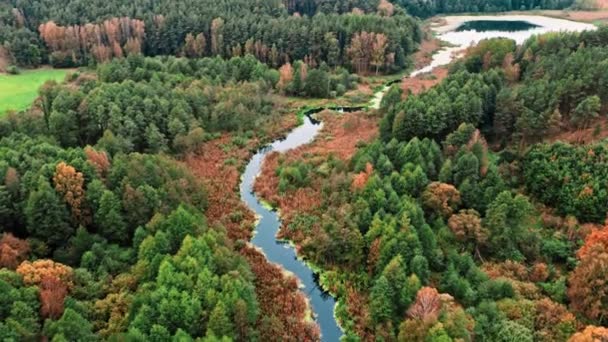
pixel 99 160
pixel 587 289
pixel 12 251
pixel 427 305
pixel 597 236
pixel 52 296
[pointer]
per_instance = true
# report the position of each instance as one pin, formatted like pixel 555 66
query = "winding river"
pixel 458 36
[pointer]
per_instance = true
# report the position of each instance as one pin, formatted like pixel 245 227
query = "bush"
pixel 13 70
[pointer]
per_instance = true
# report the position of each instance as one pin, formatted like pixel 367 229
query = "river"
pixel 458 37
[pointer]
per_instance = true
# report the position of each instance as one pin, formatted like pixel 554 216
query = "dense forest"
pixel 72 33
pixel 364 35
pixel 453 214
pixel 427 8
pixel 462 221
pixel 103 231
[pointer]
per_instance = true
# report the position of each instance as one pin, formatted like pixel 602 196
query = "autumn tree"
pixel 217 38
pixel 33 273
pixel 378 53
pixel 511 69
pixel 587 294
pixel 385 8
pixel 194 46
pixel 466 226
pixel 70 184
pixel 426 306
pixel 285 76
pixel 52 295
pixel 442 198
pixel 12 251
pixel 591 333
pixel 99 160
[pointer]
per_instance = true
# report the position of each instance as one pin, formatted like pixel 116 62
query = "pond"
pixel 493 25
pixel 460 32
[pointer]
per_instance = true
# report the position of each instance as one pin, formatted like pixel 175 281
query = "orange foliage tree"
pixel 385 8
pixel 361 178
pixel 367 49
pixel 99 41
pixel 70 184
pixel 195 45
pixel 587 289
pixel 553 322
pixel 34 272
pixel 590 334
pixel 441 197
pixel 12 251
pixel 285 76
pixel 597 236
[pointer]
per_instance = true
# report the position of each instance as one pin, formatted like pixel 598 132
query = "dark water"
pixel 496 25
pixel 281 253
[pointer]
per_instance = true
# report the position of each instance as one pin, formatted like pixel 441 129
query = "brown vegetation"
pixel 99 160
pixel 421 83
pixel 114 37
pixel 221 181
pixel 441 197
pixel 587 291
pixel 424 55
pixel 283 306
pixel 4 59
pixel 52 295
pixel 281 302
pixel 12 251
pixel 427 305
pixel 339 137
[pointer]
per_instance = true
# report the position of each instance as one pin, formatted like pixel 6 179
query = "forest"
pixel 80 33
pixel 104 230
pixel 474 210
pixel 463 220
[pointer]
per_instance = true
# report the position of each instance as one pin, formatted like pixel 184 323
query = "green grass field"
pixel 19 91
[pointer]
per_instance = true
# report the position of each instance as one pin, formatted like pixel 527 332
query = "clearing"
pixel 17 92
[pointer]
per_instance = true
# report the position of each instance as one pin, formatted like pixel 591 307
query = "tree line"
pixel 424 8
pixel 78 34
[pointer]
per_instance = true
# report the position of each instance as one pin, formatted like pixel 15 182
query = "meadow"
pixel 17 92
